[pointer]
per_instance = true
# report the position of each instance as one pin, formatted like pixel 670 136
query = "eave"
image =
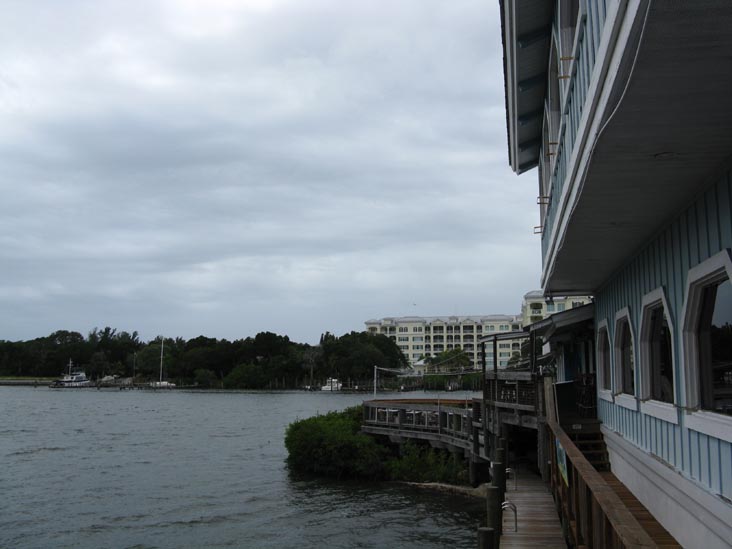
pixel 526 33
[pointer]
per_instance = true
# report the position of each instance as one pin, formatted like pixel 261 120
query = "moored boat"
pixel 332 384
pixel 75 378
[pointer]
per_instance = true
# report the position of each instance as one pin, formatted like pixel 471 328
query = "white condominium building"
pixel 423 336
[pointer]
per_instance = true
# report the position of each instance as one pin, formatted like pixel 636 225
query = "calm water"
pixel 87 468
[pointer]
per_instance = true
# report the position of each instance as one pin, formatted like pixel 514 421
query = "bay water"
pixel 90 468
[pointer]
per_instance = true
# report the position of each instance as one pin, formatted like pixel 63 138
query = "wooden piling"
pixel 486 538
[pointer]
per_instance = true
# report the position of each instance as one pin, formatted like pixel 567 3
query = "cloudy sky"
pixel 224 167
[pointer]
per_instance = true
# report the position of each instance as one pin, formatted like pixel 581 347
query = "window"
pixel 417 338
pixel 715 348
pixel 550 307
pixel 416 347
pixel 657 363
pixel 491 328
pixel 403 338
pixel 504 355
pixel 627 365
pixel 417 329
pixel 560 307
pixel 504 345
pixel 504 328
pixel 661 381
pixel 576 304
pixel 707 320
pixel 624 355
pixel 403 329
pixel 603 356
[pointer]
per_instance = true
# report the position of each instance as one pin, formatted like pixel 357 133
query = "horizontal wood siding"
pixel 704 229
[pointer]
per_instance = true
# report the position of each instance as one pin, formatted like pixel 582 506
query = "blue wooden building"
pixel 624 109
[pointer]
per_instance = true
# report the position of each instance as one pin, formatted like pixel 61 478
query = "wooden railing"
pixel 511 393
pixel 450 421
pixel 591 511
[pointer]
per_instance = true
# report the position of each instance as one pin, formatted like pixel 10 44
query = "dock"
pixel 536 515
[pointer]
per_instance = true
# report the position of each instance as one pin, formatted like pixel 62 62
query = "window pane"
pixel 626 359
pixel 605 359
pixel 662 377
pixel 715 348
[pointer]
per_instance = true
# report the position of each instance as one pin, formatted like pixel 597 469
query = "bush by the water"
pixel 333 446
pixel 424 464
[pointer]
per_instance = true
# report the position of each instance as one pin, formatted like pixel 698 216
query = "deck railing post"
pixel 494 512
pixel 486 538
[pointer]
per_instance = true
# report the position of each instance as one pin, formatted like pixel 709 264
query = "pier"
pixel 563 495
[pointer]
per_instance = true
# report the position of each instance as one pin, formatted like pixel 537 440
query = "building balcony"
pixel 639 125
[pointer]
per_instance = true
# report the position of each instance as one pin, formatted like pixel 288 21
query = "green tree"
pixel 454 360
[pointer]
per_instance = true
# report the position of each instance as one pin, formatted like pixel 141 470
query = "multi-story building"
pixel 419 337
pixel 624 108
pixel 536 306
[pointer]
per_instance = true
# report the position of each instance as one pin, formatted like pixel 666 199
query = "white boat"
pixel 332 384
pixel 74 379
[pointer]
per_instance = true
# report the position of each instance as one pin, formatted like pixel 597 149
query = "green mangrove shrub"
pixel 419 463
pixel 333 446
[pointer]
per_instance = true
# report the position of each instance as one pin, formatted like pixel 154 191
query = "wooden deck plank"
pixel 657 532
pixel 538 522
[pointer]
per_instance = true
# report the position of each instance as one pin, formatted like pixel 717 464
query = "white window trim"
pixel 661 410
pixel 710 423
pixel 699 277
pixel 656 408
pixel 624 315
pixel 627 401
pixel 604 394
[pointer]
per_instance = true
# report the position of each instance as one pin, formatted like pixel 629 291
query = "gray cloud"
pixel 227 167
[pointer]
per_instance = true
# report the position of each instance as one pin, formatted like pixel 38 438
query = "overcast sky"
pixel 226 167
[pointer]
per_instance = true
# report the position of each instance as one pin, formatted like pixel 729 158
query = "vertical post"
pixel 375 367
pixel 496 422
pixel 494 513
pixel 486 538
pixel 532 350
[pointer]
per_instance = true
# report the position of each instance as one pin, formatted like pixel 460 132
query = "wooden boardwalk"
pixel 657 532
pixel 538 521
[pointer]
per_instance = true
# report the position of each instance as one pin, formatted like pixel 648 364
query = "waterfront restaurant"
pixel 623 109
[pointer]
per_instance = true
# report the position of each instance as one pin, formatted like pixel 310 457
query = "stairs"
pixel 592 446
pixel 586 435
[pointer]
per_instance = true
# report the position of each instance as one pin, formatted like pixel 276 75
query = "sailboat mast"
pixel 162 347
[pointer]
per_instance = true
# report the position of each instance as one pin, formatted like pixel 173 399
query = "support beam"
pixel 529 144
pixel 529 117
pixel 527 39
pixel 532 82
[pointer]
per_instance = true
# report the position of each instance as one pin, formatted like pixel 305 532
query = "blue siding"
pixel 701 231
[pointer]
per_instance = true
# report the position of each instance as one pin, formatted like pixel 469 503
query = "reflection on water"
pixel 87 468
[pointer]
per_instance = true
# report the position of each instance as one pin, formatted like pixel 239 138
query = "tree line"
pixel 267 360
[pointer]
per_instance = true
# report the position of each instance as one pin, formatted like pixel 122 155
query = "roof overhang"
pixel 665 143
pixel 502 336
pixel 526 33
pixel 571 320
